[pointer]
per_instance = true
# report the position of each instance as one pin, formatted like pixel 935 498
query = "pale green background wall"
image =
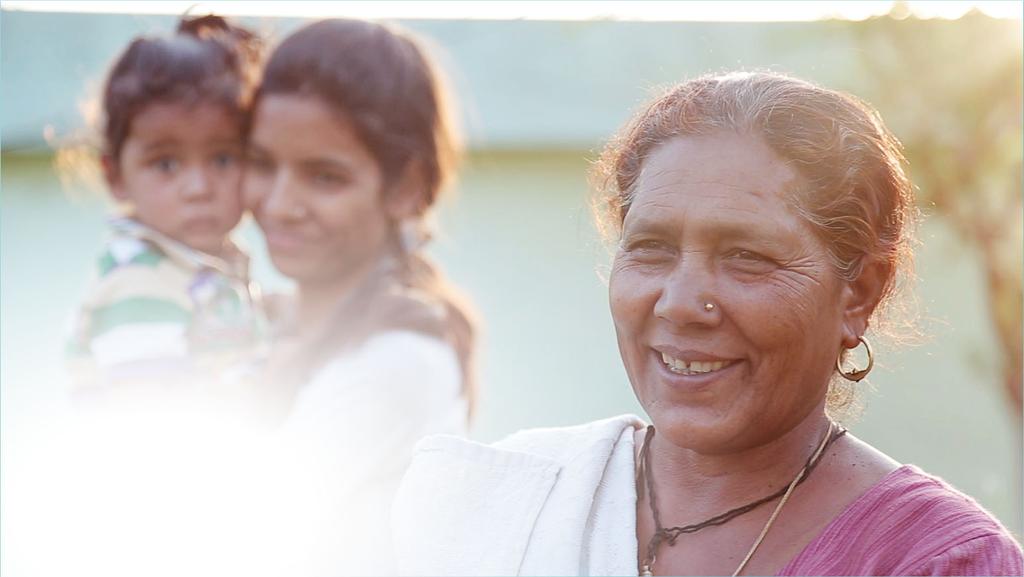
pixel 538 98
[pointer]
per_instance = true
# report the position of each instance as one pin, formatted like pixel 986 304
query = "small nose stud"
pixel 709 307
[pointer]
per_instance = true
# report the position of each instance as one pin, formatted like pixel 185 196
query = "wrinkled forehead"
pixel 725 169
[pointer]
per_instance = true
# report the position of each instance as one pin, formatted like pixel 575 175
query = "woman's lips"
pixel 284 241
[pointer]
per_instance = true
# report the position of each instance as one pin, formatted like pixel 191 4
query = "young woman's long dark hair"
pixel 379 79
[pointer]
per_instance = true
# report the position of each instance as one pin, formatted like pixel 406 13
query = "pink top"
pixel 911 523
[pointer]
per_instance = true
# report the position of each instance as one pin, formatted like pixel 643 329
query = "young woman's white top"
pixel 350 437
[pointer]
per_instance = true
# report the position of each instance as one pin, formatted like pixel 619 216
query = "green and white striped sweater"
pixel 160 310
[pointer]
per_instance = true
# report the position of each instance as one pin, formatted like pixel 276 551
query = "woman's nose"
pixel 687 296
pixel 280 200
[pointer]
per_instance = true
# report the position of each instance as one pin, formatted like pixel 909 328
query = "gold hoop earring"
pixel 856 375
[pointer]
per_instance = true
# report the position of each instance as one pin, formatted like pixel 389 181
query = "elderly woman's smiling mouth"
pixel 693 363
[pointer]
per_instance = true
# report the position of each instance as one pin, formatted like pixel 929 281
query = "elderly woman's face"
pixel 710 224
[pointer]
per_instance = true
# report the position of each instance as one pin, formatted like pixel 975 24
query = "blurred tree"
pixel 952 92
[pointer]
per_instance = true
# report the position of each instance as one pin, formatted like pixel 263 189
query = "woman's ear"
pixel 112 175
pixel 863 295
pixel 408 196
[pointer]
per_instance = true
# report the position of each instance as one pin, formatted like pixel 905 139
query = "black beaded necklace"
pixel 664 534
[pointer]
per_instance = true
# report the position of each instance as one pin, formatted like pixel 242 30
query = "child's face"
pixel 180 171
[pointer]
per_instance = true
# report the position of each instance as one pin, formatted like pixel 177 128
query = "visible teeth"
pixel 693 368
pixel 674 365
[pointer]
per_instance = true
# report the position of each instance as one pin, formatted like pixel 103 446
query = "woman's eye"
pixel 328 179
pixel 224 159
pixel 647 250
pixel 747 255
pixel 748 260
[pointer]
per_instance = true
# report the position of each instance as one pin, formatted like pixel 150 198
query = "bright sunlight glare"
pixel 180 495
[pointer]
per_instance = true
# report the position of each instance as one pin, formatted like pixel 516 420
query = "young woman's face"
pixel 179 170
pixel 315 190
pixel 728 314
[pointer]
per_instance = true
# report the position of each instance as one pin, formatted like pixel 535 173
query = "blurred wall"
pixel 522 84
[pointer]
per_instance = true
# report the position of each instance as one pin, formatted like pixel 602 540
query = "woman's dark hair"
pixel 208 60
pixel 380 80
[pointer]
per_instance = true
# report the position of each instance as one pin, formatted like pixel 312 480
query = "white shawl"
pixel 541 502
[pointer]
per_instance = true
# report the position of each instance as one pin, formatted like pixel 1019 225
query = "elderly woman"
pixel 762 221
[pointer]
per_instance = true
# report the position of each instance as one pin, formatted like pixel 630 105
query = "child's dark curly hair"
pixel 207 60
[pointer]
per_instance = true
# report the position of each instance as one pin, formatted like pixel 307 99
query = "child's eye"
pixel 166 164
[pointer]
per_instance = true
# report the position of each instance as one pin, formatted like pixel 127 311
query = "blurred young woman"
pixel 350 147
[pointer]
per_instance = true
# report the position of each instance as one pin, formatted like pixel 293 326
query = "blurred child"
pixel 173 302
